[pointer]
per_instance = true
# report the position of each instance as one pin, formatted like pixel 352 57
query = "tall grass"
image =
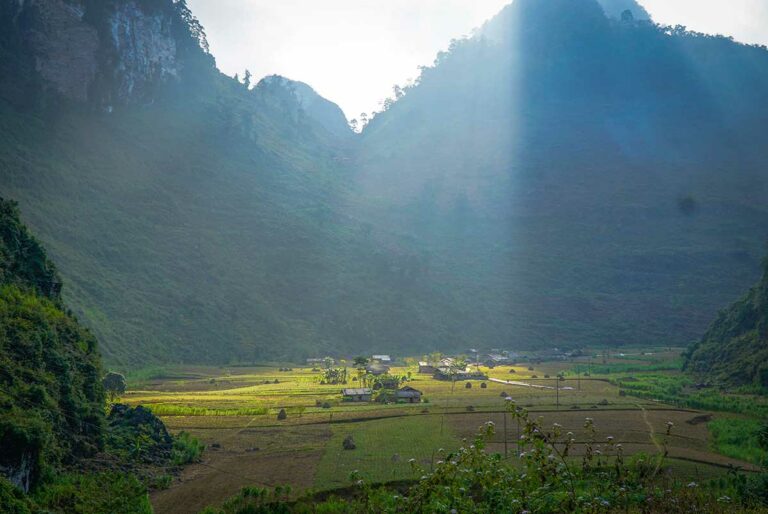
pixel 183 410
pixel 627 367
pixel 674 390
pixel 739 438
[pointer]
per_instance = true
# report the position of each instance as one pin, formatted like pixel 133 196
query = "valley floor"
pixel 234 412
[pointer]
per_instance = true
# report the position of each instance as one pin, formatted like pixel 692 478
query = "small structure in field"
pixel 321 361
pixel 426 367
pixel 447 374
pixel 409 394
pixel 377 369
pixel 383 359
pixel 496 359
pixel 357 395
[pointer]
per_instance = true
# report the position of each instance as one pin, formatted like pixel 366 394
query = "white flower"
pixel 692 485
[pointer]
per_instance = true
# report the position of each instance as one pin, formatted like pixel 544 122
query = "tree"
pixel 247 79
pixel 360 362
pixel 353 125
pixel 762 438
pixel 114 385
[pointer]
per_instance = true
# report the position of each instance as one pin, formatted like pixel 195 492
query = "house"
pixel 377 369
pixel 320 361
pixel 409 395
pixel 425 367
pixel 458 374
pixel 383 359
pixel 496 359
pixel 357 395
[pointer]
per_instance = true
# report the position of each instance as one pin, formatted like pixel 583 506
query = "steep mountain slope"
pixel 735 348
pixel 565 178
pixel 51 401
pixel 204 222
pixel 577 179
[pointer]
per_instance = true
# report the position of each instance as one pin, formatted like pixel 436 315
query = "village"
pixel 311 425
pixel 376 382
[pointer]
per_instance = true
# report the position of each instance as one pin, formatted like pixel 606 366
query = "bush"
pixel 348 443
pixel 95 493
pixel 282 414
pixel 186 449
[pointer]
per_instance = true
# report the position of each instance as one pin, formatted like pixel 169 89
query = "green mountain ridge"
pixel 555 184
pixel 735 348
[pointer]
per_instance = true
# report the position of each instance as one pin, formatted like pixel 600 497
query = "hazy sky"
pixel 354 51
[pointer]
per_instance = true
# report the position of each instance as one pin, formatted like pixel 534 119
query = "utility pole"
pixel 557 391
pixel 506 453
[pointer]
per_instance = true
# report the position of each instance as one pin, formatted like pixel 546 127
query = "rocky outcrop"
pixel 109 52
pixel 144 50
pixel 298 99
pixel 62 45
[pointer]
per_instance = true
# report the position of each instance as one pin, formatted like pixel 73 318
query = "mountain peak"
pixel 322 110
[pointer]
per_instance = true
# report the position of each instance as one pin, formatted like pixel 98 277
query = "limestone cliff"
pixel 104 51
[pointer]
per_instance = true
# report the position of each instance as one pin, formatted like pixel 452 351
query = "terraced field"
pixel 234 411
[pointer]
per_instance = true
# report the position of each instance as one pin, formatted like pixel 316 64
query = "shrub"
pixel 348 443
pixel 186 449
pixel 282 414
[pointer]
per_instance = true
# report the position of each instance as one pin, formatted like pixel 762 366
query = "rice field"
pixel 234 412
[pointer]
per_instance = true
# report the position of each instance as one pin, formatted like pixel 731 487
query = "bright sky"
pixel 353 51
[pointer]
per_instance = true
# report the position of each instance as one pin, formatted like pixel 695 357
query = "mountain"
pixel 565 178
pixel 51 400
pixel 735 348
pixel 575 179
pixel 196 220
pixel 326 113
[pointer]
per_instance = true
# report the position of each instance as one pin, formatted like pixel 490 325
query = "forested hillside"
pixel 735 348
pixel 563 178
pixel 51 400
pixel 578 179
pixel 210 224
